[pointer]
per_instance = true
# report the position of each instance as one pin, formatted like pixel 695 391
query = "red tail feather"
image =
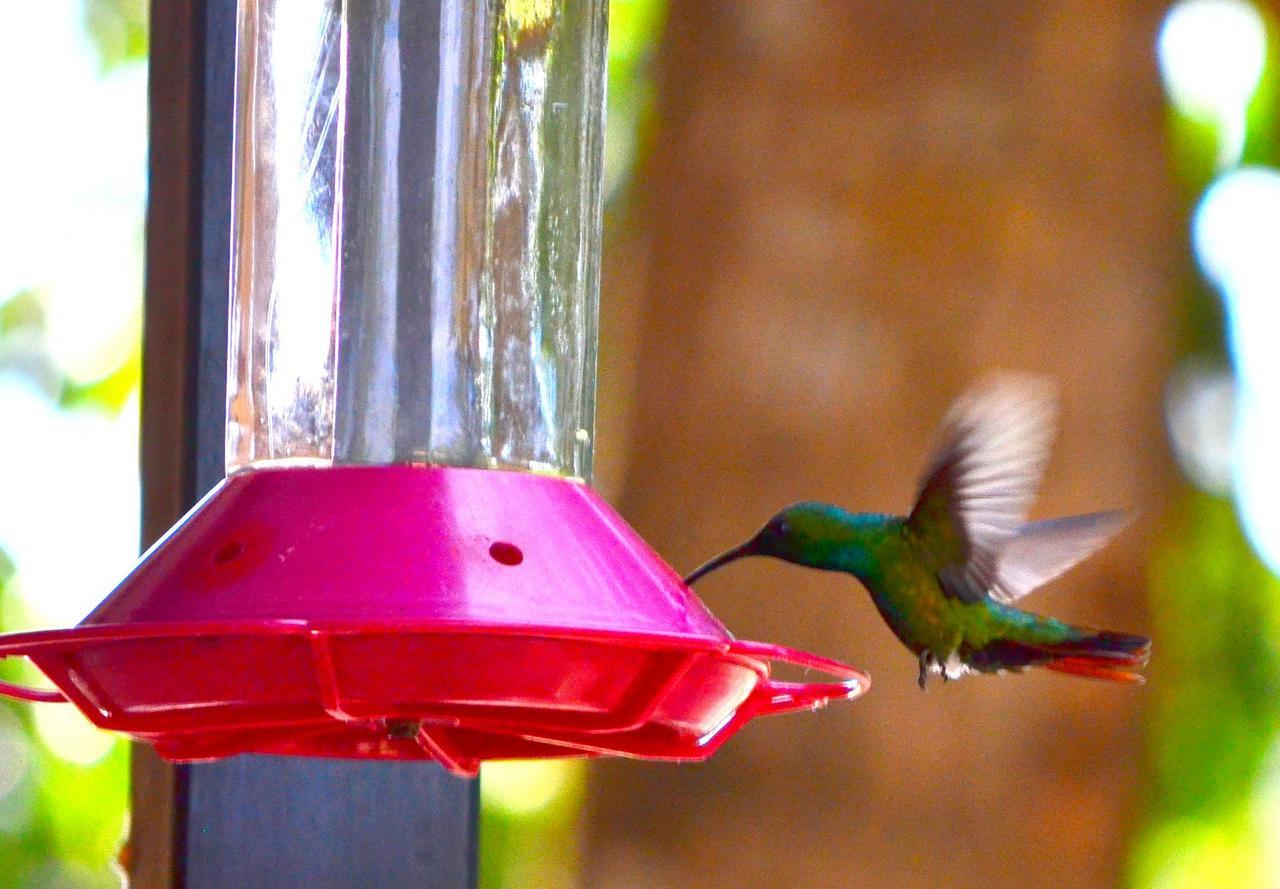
pixel 1094 669
pixel 1115 657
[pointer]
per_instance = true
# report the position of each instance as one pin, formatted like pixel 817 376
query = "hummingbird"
pixel 945 577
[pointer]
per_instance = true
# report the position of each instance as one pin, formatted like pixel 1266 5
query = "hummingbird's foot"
pixel 924 670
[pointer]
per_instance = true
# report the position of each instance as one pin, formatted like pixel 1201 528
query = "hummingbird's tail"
pixel 1094 654
pixel 1104 655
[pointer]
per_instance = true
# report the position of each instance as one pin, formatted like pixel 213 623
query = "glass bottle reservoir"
pixel 416 243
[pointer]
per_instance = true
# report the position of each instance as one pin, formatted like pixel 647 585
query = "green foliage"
pixel 634 29
pixel 118 29
pixel 1212 806
pixel 528 824
pixel 62 821
pixel 21 311
pixel 59 813
pixel 111 392
pixel 1217 612
pixel 1262 128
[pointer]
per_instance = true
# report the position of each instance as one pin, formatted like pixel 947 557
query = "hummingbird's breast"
pixel 908 596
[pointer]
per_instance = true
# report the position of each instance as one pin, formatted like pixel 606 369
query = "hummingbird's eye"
pixel 782 528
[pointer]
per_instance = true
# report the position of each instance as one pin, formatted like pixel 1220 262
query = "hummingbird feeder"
pixel 406 560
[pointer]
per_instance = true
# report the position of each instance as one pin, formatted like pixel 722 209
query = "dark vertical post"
pixel 251 821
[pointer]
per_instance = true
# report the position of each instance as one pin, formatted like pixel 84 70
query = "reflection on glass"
pixel 417 232
pixel 281 380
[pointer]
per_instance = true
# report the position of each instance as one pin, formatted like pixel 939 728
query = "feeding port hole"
pixel 228 552
pixel 506 553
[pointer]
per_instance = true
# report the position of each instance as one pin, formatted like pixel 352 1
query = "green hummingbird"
pixel 945 577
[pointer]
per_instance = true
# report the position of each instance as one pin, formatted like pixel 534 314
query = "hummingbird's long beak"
pixel 738 552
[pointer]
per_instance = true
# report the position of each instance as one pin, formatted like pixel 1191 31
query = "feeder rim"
pixel 55 639
pixel 854 682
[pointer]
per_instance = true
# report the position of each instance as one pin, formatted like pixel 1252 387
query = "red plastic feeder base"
pixel 458 615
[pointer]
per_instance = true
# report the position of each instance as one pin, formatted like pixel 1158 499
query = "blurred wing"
pixel 1041 551
pixel 992 451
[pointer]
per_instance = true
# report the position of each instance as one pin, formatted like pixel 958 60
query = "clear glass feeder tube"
pixel 416 233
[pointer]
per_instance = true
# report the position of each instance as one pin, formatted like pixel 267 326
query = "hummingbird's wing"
pixel 983 477
pixel 1040 551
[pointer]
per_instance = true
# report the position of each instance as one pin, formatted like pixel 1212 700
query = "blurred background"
pixel 825 219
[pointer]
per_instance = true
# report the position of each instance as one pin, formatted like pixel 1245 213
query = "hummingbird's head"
pixel 788 535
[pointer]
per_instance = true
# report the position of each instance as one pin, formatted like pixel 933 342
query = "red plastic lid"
pixel 413 612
